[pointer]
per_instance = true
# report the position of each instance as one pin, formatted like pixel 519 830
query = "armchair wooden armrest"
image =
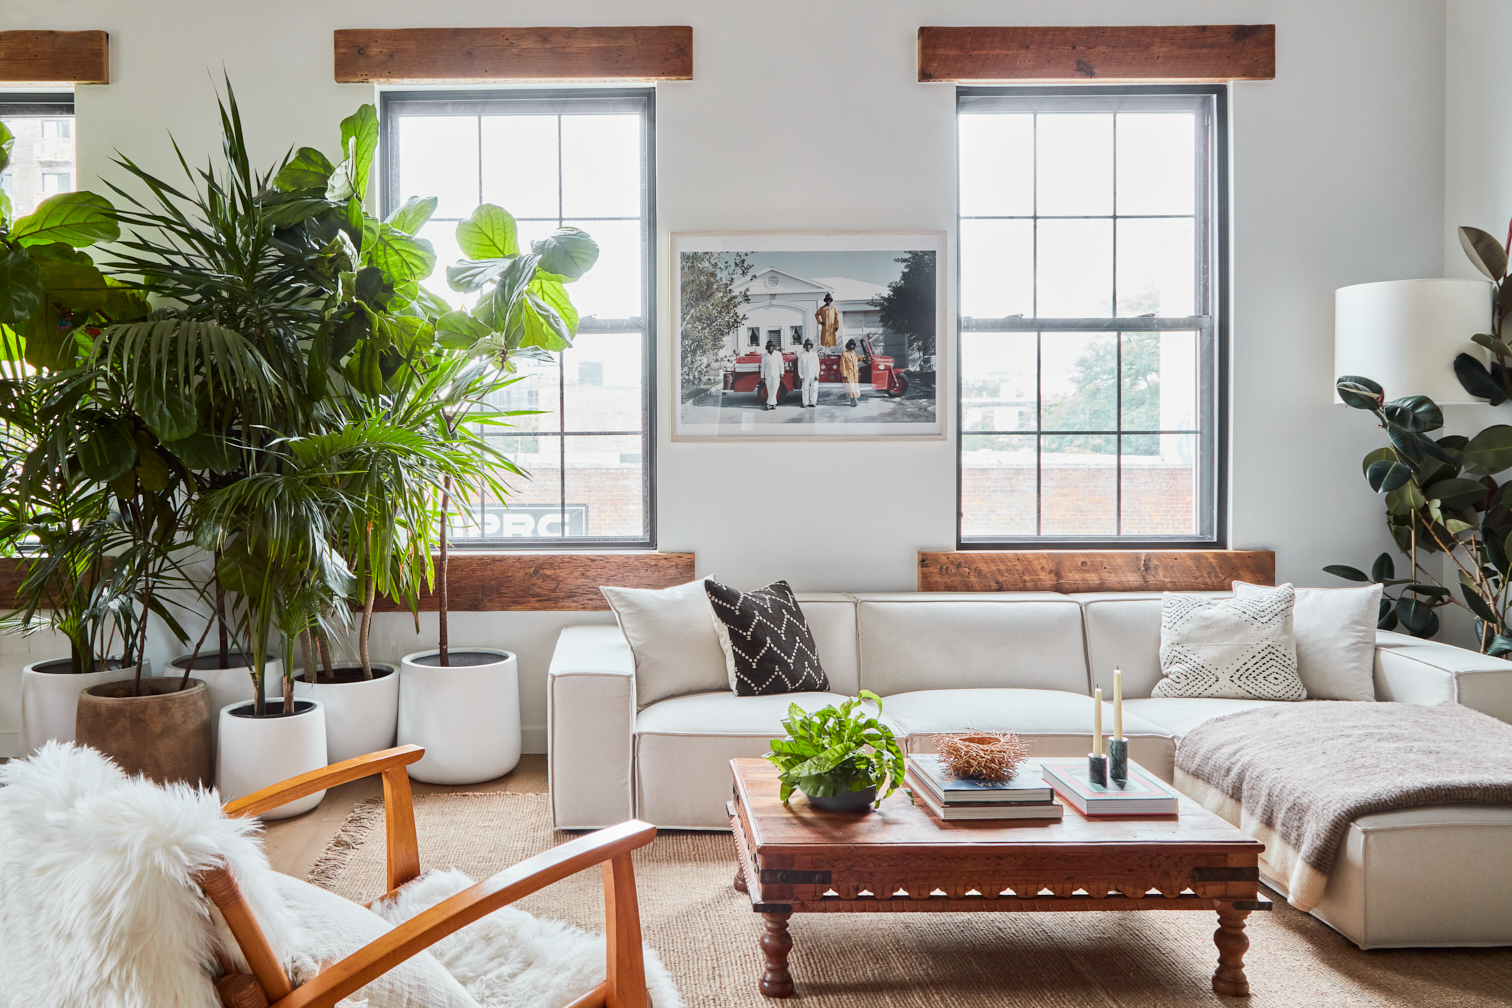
pixel 398 802
pixel 625 986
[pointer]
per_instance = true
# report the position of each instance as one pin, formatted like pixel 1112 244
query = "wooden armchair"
pixel 625 986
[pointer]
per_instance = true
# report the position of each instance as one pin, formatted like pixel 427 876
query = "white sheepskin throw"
pixel 510 959
pixel 97 903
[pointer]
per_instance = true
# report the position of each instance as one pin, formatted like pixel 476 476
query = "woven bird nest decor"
pixel 979 755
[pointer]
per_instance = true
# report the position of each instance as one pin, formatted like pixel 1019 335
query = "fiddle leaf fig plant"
pixel 837 749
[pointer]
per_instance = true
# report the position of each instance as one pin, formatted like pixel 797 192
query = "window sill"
pixel 547 580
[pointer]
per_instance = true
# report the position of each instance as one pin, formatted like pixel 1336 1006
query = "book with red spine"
pixel 1142 794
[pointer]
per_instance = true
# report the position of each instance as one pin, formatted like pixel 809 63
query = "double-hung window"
pixel 575 158
pixel 1091 299
pixel 42 160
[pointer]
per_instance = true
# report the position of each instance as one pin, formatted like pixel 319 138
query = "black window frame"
pixel 1213 404
pixel 390 105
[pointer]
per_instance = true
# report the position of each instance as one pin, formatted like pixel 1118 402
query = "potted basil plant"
pixel 841 759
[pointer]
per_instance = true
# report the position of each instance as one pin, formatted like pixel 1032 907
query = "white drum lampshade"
pixel 1405 334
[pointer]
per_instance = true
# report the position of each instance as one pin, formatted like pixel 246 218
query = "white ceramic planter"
pixel 50 700
pixel 361 717
pixel 466 716
pixel 255 752
pixel 228 685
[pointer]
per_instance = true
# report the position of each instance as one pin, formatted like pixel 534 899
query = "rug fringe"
pixel 327 871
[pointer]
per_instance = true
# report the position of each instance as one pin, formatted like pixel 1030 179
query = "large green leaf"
pixel 70 277
pixel 20 286
pixel 489 233
pixel 73 218
pixel 359 139
pixel 1476 380
pixel 555 295
pixel 307 169
pixel 200 451
pixel 1413 614
pixel 1386 475
pixel 1456 493
pixel 411 217
pixel 1348 573
pixel 1484 251
pixel 1477 604
pixel 1383 569
pixel 1417 414
pixel 108 451
pixel 1490 451
pixel 12 344
pixel 457 330
pixel 7 141
pixel 468 275
pixel 401 256
pixel 169 414
pixel 567 253
pixel 1493 344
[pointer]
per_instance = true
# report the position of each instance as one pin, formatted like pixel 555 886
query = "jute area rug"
pixel 707 934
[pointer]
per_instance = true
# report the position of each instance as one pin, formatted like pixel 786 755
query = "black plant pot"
pixel 846 801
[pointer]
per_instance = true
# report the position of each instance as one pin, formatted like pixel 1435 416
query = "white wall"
pixel 1338 173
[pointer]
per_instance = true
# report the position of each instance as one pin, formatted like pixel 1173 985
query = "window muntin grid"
pixel 591 482
pixel 1023 209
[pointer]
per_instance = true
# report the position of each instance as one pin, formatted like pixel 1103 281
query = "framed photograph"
pixel 810 336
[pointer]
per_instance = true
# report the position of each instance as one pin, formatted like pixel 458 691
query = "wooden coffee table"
pixel 900 859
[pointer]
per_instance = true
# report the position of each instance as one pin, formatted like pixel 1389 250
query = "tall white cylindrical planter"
pixel 50 700
pixel 228 685
pixel 361 716
pixel 467 716
pixel 254 752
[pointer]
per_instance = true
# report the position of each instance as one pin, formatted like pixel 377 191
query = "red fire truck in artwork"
pixel 876 372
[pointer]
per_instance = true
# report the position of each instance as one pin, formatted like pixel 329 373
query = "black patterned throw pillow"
pixel 767 643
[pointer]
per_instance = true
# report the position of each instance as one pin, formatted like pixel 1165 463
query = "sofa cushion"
pixel 832 620
pixel 1179 715
pixel 1026 640
pixel 684 745
pixel 1242 648
pixel 671 633
pixel 1055 723
pixel 767 644
pixel 1123 632
pixel 1335 630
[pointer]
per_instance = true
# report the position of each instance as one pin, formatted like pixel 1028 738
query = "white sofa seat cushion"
pixel 1179 715
pixel 1057 724
pixel 684 746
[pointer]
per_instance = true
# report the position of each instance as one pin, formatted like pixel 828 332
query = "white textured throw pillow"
pixel 671 633
pixel 1335 630
pixel 1233 648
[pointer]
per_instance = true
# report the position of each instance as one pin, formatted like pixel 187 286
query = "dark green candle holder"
pixel 1097 769
pixel 1118 760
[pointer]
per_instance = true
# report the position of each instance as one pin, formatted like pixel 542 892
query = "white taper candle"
pixel 1097 722
pixel 1118 705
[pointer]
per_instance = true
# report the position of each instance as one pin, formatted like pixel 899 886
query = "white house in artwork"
pixel 782 308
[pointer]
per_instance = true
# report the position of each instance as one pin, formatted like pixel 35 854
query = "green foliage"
pixel 908 307
pixel 835 750
pixel 711 305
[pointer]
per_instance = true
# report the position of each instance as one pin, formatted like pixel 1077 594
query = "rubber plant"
pixel 1441 494
pixel 837 749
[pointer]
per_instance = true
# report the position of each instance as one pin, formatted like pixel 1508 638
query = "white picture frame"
pixel 728 285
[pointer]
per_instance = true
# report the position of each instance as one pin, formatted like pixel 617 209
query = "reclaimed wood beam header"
pixel 1093 570
pixel 475 55
pixel 1187 54
pixel 499 582
pixel 54 57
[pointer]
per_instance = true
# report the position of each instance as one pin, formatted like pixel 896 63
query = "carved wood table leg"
pixel 1232 943
pixel 776 943
pixel 740 882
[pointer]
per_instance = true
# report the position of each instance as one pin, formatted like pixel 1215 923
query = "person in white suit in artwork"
pixel 808 374
pixel 772 368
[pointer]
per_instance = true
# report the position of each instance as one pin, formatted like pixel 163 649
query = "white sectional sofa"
pixel 1026 662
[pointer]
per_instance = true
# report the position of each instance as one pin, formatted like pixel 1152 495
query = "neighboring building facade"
pixel 41 161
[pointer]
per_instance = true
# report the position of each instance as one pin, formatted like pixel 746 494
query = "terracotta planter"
pixel 467 715
pixel 164 733
pixel 255 752
pixel 50 698
pixel 228 685
pixel 361 714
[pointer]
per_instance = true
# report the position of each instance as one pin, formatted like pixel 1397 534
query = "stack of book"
pixel 1140 795
pixel 1026 796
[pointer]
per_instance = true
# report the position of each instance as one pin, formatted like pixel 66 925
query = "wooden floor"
pixel 294 845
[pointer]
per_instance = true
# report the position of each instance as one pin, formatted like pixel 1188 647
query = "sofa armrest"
pixel 590 725
pixel 1409 670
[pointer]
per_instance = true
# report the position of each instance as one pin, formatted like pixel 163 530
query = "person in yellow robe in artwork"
pixel 850 372
pixel 828 318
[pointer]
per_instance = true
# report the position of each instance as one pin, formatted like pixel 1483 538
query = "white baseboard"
pixel 532 740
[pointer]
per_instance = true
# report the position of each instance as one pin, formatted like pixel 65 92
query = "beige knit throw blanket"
pixel 1295 775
